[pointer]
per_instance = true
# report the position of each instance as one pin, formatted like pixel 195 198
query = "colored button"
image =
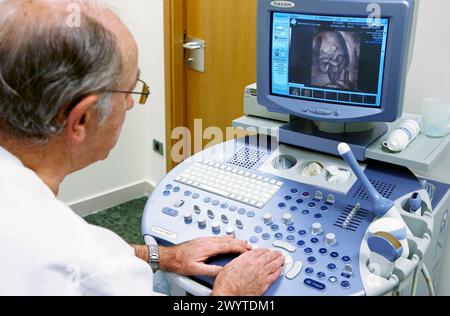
pixel 312 204
pixel 333 280
pixel 321 275
pixel 195 196
pixel 291 229
pixel 312 260
pixel 346 259
pixel 345 284
pixel 251 214
pixel 306 212
pixel 169 187
pixel 305 194
pixel 331 267
pixel 294 209
pixel 265 236
pixel 294 191
pixel 302 232
pixel 317 216
pixel 282 205
pixel 315 285
pixel 166 193
pixel 288 197
pixel 308 251
pixel 301 243
pixel 283 245
pixel 224 205
pixel 242 211
pixel 179 204
pixel 291 238
pixel 309 271
pixel 334 255
pixel 176 189
pixel 258 230
pixel 187 193
pixel 275 228
pixel 215 202
pixel 254 240
pixel 315 240
pixel 207 200
pixel 278 236
pixel 170 212
pixel 233 208
pixel 323 251
pixel 324 208
pixel 300 201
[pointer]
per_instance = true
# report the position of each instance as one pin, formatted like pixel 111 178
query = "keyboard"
pixel 231 183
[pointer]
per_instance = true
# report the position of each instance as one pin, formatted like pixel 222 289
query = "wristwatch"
pixel 153 260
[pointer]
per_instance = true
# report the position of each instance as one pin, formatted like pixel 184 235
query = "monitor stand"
pixel 325 137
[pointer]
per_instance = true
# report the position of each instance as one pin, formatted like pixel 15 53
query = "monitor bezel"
pixel 401 14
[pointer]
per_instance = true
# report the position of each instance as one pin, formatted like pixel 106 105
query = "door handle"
pixel 192 46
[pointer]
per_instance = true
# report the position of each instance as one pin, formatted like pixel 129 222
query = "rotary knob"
pixel 287 219
pixel 215 226
pixel 316 229
pixel 330 239
pixel 230 231
pixel 267 218
pixel 187 217
pixel 201 222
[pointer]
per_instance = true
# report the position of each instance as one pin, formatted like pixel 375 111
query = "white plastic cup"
pixel 435 117
pixel 402 136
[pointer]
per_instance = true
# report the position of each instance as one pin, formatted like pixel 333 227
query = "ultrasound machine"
pixel 314 182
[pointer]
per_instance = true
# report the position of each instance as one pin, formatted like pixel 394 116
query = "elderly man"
pixel 64 94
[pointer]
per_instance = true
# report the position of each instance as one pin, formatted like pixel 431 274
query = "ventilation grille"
pixel 246 158
pixel 384 188
pixel 356 220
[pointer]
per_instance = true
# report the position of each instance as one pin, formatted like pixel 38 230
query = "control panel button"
pixel 333 280
pixel 278 236
pixel 309 271
pixel 225 219
pixel 275 228
pixel 251 214
pixel 345 284
pixel 294 209
pixel 187 217
pixel 330 239
pixel 315 285
pixel 215 202
pixel 334 255
pixel 179 204
pixel 207 200
pixel 166 193
pixel 346 259
pixel 291 229
pixel 348 269
pixel 258 230
pixel 331 267
pixel 301 243
pixel 300 201
pixel 321 275
pixel 201 221
pixel 242 211
pixel 169 187
pixel 295 271
pixel 314 241
pixel 176 189
pixel 230 231
pixel 308 251
pixel 294 191
pixel 323 251
pixel 267 217
pixel 239 224
pixel 210 214
pixel 233 208
pixel 215 226
pixel 312 260
pixel 290 238
pixel 316 229
pixel 283 245
pixel 282 205
pixel 302 232
pixel 287 219
pixel 265 236
pixel 170 212
pixel 331 199
pixel 318 196
pixel 254 240
pixel 197 209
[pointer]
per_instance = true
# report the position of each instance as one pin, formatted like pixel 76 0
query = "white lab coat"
pixel 46 249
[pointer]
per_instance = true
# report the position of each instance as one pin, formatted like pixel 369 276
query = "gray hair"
pixel 46 66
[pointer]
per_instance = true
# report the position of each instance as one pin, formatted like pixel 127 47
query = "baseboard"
pixel 113 198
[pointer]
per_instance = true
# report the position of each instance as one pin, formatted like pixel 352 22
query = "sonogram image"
pixel 336 60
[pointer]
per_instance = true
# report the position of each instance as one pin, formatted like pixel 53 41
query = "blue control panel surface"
pixel 319 231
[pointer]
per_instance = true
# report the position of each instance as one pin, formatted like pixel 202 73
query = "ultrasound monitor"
pixel 333 61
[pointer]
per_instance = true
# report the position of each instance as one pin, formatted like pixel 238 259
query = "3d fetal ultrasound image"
pixel 335 59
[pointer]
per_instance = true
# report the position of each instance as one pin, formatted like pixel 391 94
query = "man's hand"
pixel 189 258
pixel 249 275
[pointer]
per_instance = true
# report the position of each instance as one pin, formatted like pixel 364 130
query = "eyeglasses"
pixel 141 96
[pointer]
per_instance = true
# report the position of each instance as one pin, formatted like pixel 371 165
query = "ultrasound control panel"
pixel 318 226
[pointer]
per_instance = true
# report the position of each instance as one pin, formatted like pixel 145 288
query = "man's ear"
pixel 80 118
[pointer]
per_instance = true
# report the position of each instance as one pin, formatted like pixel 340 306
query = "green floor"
pixel 124 220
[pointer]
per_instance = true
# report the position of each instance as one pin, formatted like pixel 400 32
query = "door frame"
pixel 175 97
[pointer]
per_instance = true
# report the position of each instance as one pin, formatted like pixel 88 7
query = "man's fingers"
pixel 208 270
pixel 270 256
pixel 274 276
pixel 275 265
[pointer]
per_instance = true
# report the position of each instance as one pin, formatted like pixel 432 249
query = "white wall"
pixel 133 160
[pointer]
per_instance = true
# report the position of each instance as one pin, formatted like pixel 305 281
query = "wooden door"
pixel 216 96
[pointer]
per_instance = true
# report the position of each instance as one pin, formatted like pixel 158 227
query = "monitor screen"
pixel 328 59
